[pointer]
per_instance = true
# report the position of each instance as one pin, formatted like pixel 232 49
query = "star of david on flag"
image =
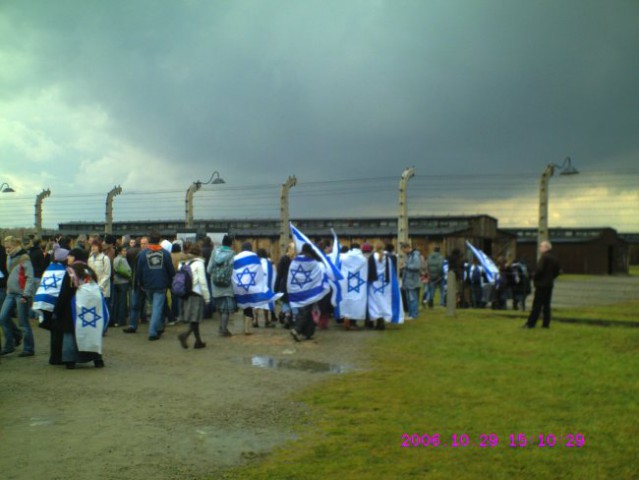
pixel 381 287
pixel 89 323
pixel 358 282
pixel 49 282
pixel 251 279
pixel 306 276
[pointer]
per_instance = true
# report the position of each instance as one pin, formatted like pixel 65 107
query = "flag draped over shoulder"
pixel 49 289
pixel 307 281
pixel 250 283
pixel 336 287
pixel 354 286
pixel 269 274
pixel 90 316
pixel 384 296
pixel 492 272
pixel 300 239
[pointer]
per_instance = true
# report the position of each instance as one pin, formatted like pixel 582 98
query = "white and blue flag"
pixel 336 288
pixel 90 316
pixel 300 239
pixel 354 286
pixel 491 270
pixel 49 289
pixel 307 281
pixel 269 274
pixel 250 283
pixel 384 295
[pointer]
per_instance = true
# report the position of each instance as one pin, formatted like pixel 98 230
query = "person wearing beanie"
pixel 47 296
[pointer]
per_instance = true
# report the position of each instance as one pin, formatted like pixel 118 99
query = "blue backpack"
pixel 182 283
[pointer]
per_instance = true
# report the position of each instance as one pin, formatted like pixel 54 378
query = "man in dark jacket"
pixel 544 279
pixel 155 272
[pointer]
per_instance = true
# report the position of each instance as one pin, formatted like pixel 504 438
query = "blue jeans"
pixel 10 330
pixel 158 298
pixel 412 298
pixel 137 304
pixel 429 292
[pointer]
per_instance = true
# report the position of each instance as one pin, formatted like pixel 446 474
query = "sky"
pixel 478 95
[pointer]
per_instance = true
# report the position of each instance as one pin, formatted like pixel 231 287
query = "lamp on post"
pixel 6 188
pixel 565 168
pixel 195 186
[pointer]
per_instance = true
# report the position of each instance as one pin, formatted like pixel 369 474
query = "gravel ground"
pixel 159 411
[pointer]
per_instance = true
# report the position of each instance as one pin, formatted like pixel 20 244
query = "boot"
pixel 380 324
pixel 347 324
pixel 224 322
pixel 198 340
pixel 247 324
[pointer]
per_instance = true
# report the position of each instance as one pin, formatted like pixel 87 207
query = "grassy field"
pixel 627 312
pixel 474 374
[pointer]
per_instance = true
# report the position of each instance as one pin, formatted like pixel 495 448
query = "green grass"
pixel 620 312
pixel 472 374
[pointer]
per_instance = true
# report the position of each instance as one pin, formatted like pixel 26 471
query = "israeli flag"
pixel 267 268
pixel 90 316
pixel 384 296
pixel 307 281
pixel 336 287
pixel 250 283
pixel 49 289
pixel 354 286
pixel 300 239
pixel 492 272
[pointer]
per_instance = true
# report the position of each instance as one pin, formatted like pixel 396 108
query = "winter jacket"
pixel 198 272
pixel 155 269
pixel 16 262
pixel 220 255
pixel 412 270
pixel 101 265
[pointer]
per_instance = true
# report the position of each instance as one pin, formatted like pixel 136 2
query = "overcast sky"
pixel 478 95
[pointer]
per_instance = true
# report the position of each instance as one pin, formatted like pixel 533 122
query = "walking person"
pixel 101 265
pixel 193 304
pixel 20 291
pixel 220 269
pixel 307 284
pixel 155 272
pixel 544 280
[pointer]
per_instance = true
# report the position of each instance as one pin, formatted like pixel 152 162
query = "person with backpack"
pixel 436 278
pixel 195 294
pixel 20 291
pixel 220 269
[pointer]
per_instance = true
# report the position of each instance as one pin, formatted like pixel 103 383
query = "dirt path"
pixel 158 411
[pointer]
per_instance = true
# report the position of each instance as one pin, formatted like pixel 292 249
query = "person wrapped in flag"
pixel 46 297
pixel 268 308
pixel 384 295
pixel 81 313
pixel 307 283
pixel 250 284
pixel 354 268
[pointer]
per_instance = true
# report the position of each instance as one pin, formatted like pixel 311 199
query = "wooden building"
pixel 593 251
pixel 447 232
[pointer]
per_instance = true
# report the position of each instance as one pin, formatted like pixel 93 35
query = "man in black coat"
pixel 544 279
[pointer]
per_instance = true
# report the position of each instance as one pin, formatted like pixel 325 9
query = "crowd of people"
pixel 79 289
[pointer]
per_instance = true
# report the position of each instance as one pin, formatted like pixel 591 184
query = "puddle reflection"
pixel 312 366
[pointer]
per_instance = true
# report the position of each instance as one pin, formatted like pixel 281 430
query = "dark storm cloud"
pixel 359 88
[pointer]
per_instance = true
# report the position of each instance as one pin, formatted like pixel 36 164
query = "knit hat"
pixel 59 254
pixel 366 248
